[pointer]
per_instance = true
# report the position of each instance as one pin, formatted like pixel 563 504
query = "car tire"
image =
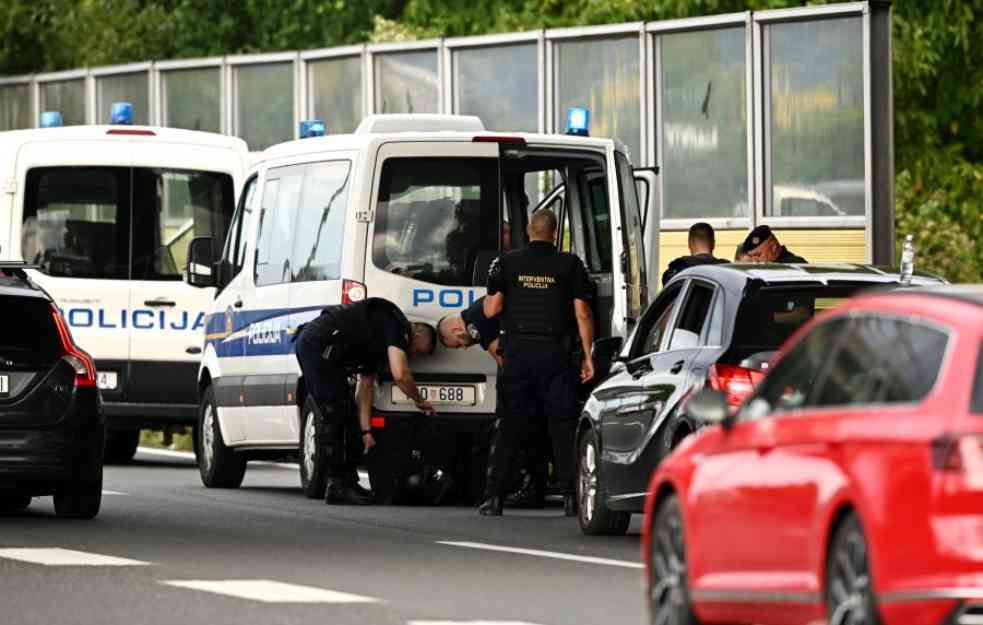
pixel 668 589
pixel 14 503
pixel 220 466
pixel 80 496
pixel 121 446
pixel 849 585
pixel 313 473
pixel 593 514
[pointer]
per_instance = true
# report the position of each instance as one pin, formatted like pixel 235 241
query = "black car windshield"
pixel 769 316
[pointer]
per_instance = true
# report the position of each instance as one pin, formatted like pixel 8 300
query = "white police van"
pixel 106 214
pixel 409 208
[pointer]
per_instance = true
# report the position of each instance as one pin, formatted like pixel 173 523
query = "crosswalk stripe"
pixel 269 591
pixel 556 555
pixel 66 557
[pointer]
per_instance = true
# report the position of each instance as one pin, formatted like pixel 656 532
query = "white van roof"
pixel 383 124
pixel 121 133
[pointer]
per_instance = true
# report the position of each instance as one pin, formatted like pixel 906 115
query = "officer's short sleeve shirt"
pixel 388 332
pixel 480 327
pixel 580 284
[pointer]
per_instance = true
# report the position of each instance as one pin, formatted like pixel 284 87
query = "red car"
pixel 847 490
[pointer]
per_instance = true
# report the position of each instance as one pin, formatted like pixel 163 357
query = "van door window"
pixel 235 248
pixel 277 224
pixel 597 219
pixel 633 238
pixel 435 216
pixel 320 234
pixel 81 222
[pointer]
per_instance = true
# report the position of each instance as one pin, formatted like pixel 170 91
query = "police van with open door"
pixel 412 208
pixel 106 213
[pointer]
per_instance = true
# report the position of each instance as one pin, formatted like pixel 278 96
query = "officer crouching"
pixel 543 296
pixel 364 338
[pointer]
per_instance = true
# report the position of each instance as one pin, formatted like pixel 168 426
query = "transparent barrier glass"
pixel 504 100
pixel 704 124
pixel 132 88
pixel 65 96
pixel 15 107
pixel 265 110
pixel 406 82
pixel 193 99
pixel 336 92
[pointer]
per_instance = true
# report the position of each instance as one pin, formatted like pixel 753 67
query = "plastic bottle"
pixel 907 260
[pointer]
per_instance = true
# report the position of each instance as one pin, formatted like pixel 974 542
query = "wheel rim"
pixel 849 583
pixel 587 484
pixel 310 444
pixel 207 437
pixel 667 588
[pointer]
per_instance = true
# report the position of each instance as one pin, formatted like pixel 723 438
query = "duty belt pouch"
pixel 335 348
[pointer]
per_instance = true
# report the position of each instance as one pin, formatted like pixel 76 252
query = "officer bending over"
pixel 471 327
pixel 702 242
pixel 543 297
pixel 365 338
pixel 762 246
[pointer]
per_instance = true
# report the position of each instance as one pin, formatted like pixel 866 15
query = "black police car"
pixel 51 426
pixel 712 324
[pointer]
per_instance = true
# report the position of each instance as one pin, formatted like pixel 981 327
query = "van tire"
pixel 313 472
pixel 121 446
pixel 219 465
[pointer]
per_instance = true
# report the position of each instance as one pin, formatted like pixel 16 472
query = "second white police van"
pixel 412 208
pixel 106 214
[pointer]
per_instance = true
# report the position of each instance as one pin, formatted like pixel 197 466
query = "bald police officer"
pixel 543 296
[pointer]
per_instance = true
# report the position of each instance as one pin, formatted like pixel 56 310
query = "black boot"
pixel 338 492
pixel 491 506
pixel 569 505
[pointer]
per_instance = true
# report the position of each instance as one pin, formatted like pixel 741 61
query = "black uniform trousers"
pixel 537 373
pixel 340 433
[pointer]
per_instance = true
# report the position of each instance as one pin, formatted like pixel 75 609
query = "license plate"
pixel 107 380
pixel 4 385
pixel 439 395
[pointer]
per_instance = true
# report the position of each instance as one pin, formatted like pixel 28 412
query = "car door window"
pixel 655 323
pixel 883 360
pixel 790 383
pixel 693 318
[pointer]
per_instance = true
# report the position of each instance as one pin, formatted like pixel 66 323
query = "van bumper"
pixel 150 394
pixel 130 415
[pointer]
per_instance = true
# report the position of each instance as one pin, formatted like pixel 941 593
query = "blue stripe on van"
pixel 265 332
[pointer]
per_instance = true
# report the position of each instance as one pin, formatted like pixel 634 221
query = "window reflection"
pixel 817 118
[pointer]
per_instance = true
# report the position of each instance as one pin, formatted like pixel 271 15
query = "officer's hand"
pixel 426 408
pixel 587 370
pixel 368 441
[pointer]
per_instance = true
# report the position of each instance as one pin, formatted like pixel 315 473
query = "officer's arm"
pixel 403 377
pixel 585 327
pixel 493 352
pixel 493 304
pixel 363 395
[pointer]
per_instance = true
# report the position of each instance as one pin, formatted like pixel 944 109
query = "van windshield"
pixel 121 222
pixel 435 216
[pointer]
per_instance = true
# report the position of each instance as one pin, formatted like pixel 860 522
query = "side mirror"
pixel 200 263
pixel 605 353
pixel 710 407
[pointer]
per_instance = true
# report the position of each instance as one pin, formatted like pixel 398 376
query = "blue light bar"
pixel 121 113
pixel 312 128
pixel 51 119
pixel 578 121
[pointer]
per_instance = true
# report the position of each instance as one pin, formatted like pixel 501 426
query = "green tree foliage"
pixel 938 68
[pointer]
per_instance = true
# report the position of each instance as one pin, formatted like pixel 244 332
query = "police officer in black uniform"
pixel 364 338
pixel 701 242
pixel 544 297
pixel 762 246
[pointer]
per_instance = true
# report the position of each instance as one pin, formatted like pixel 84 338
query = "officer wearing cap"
pixel 762 246
pixel 544 297
pixel 702 242
pixel 365 338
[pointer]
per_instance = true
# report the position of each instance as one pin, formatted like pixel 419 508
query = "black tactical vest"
pixel 537 293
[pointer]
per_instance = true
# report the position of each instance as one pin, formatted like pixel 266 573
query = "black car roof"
pixel 14 281
pixel 738 274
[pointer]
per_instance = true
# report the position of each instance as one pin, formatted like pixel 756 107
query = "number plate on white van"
pixel 4 385
pixel 107 380
pixel 439 395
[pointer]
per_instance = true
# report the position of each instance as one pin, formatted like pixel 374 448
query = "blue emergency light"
pixel 51 119
pixel 121 113
pixel 311 128
pixel 578 121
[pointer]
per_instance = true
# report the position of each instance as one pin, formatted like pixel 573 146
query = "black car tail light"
pixel 737 383
pixel 81 362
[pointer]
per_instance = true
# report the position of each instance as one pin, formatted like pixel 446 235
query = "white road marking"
pixel 469 623
pixel 556 555
pixel 115 493
pixel 66 557
pixel 269 591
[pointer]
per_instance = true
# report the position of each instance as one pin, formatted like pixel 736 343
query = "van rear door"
pixel 435 218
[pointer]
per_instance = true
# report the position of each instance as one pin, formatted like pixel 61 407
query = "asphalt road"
pixel 181 554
